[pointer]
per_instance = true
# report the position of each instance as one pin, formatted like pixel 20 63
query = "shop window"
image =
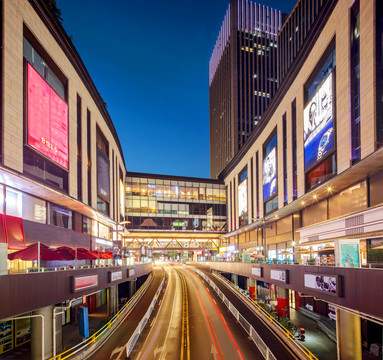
pixel 60 216
pixel 103 231
pixel 34 209
pixel 13 201
pixel 86 225
pixel 349 200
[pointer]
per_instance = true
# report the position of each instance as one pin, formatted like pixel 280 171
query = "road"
pixel 205 330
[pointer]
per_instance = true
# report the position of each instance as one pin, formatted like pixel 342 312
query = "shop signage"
pixel 131 272
pixel 227 248
pixel 309 307
pixel 115 275
pixel 257 271
pixel 323 283
pixel 77 302
pixel 280 275
pixel 47 120
pixel 84 282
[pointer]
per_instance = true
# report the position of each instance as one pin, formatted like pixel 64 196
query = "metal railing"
pixel 108 328
pixel 263 348
pixel 133 339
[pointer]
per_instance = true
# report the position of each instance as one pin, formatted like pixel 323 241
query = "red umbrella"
pixel 109 255
pixel 31 253
pixel 66 252
pixel 84 254
pixel 99 254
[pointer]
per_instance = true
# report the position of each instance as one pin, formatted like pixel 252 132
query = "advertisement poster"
pixel 47 120
pixel 318 124
pixel 349 255
pixel 242 197
pixel 270 174
pixel 103 181
pixel 122 199
pixel 320 282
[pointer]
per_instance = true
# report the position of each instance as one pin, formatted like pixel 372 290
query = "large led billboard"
pixel 242 197
pixel 47 120
pixel 103 180
pixel 270 174
pixel 318 124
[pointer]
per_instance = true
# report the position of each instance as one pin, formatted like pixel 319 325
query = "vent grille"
pixel 354 221
pixel 355 231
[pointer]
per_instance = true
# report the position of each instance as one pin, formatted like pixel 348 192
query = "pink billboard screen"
pixel 47 120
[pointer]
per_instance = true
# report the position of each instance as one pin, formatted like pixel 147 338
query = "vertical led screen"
pixel 103 181
pixel 318 124
pixel 242 197
pixel 270 169
pixel 47 120
pixel 122 198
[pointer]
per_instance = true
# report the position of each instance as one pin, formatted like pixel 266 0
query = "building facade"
pixel 175 203
pixel 307 184
pixel 242 77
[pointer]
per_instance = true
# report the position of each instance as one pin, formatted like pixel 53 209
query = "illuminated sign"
pixel 47 120
pixel 242 197
pixel 257 271
pixel 84 282
pixel 103 242
pixel 279 275
pixel 131 272
pixel 115 275
pixel 323 283
pixel 270 174
pixel 122 198
pixel 318 124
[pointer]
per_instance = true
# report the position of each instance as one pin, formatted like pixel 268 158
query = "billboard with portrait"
pixel 325 283
pixel 103 180
pixel 270 174
pixel 47 120
pixel 318 124
pixel 242 197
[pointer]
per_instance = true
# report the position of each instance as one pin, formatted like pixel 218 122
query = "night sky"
pixel 150 62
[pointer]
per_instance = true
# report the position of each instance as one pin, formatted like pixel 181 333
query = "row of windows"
pixel 176 192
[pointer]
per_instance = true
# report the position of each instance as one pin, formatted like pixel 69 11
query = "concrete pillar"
pixel 283 302
pixel 252 288
pixel 234 279
pixel 3 258
pixel 349 336
pixel 36 333
pixel 112 299
pixel 132 288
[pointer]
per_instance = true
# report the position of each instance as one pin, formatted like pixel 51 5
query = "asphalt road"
pixel 114 347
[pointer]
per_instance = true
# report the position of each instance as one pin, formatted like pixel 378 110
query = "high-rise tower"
pixel 242 77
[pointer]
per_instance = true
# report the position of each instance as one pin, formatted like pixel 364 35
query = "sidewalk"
pixel 316 341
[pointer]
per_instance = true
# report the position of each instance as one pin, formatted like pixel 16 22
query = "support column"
pixel 349 336
pixel 3 258
pixel 234 279
pixel 283 302
pixel 36 334
pixel 132 288
pixel 112 300
pixel 252 289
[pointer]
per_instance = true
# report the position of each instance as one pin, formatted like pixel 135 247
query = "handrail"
pixel 288 334
pixel 96 336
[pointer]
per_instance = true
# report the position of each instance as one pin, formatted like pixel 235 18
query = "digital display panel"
pixel 122 198
pixel 242 197
pixel 103 181
pixel 321 282
pixel 318 124
pixel 270 174
pixel 47 120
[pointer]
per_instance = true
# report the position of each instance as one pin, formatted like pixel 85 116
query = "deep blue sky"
pixel 150 62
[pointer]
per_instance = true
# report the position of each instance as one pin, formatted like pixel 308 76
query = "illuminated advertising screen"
pixel 103 181
pixel 122 198
pixel 242 197
pixel 318 124
pixel 325 283
pixel 270 174
pixel 47 120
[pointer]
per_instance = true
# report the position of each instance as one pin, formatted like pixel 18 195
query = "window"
pixel 294 139
pixel 34 209
pixel 285 198
pixel 13 202
pixel 60 216
pixel 79 150
pixel 321 173
pixel 103 173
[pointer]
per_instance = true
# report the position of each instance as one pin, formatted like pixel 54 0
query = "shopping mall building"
pixel 304 192
pixel 306 188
